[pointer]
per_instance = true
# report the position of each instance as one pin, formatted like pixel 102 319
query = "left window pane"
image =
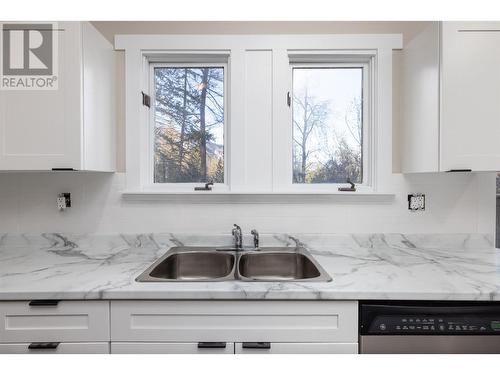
pixel 188 124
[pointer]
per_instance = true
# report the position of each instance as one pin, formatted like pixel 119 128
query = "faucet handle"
pixel 255 238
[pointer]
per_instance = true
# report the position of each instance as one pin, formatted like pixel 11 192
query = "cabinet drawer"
pixel 62 348
pixel 64 322
pixel 298 348
pixel 167 348
pixel 234 321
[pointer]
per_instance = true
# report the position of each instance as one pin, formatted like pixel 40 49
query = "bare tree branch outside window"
pixel 189 124
pixel 327 125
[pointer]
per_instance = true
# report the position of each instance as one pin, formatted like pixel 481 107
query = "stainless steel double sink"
pixel 223 264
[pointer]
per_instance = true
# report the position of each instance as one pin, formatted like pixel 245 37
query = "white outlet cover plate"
pixel 61 203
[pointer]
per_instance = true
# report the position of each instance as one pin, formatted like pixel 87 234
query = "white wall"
pixel 456 203
pixel 111 28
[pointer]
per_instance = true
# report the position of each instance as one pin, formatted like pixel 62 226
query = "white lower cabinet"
pixel 233 348
pixel 54 321
pixel 172 348
pixel 255 326
pixel 178 327
pixel 296 348
pixel 56 348
pixel 54 327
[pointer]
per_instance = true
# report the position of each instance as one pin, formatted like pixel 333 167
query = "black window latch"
pixel 207 187
pixel 350 188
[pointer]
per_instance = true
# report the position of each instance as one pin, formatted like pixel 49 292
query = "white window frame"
pixel 319 61
pixel 242 159
pixel 196 62
pixel 284 144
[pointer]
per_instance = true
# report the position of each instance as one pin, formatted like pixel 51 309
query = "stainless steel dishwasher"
pixel 393 327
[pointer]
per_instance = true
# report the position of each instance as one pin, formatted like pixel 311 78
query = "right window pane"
pixel 327 124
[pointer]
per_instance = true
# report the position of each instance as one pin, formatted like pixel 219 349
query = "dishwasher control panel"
pixel 408 324
pixel 429 318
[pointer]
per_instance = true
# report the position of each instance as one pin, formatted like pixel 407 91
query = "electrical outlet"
pixel 63 201
pixel 416 202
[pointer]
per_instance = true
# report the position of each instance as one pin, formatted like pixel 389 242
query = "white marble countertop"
pixel 376 266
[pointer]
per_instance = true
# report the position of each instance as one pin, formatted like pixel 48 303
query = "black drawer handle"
pixel 257 345
pixel 43 345
pixel 211 345
pixel 44 302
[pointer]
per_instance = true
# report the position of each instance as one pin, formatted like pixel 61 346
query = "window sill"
pixel 258 197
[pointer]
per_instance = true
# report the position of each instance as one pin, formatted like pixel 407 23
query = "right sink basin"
pixel 280 264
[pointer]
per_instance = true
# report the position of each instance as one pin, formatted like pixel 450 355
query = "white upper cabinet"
pixel 420 102
pixel 451 105
pixel 72 126
pixel 470 97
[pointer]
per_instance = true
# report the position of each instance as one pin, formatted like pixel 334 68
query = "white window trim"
pixel 139 49
pixel 194 61
pixel 363 61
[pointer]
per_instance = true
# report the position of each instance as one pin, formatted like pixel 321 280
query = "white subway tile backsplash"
pixel 456 203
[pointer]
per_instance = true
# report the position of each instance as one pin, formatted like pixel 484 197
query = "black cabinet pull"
pixel 256 345
pixel 458 170
pixel 43 345
pixel 211 345
pixel 44 302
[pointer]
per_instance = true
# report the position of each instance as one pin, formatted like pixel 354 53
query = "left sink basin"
pixel 191 264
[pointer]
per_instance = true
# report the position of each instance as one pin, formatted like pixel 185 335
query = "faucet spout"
pixel 237 236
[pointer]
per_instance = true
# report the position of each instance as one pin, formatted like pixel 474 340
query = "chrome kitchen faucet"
pixel 237 236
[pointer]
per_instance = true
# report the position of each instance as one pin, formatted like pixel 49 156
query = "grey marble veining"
pixel 371 266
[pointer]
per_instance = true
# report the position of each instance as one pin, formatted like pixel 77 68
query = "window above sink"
pixel 188 123
pixel 242 137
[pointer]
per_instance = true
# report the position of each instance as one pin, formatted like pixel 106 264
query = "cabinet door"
pixel 234 321
pixel 470 96
pixel 295 348
pixel 41 130
pixel 420 102
pixel 171 348
pixel 68 321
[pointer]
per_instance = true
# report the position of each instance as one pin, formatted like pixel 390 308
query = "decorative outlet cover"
pixel 63 201
pixel 416 202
